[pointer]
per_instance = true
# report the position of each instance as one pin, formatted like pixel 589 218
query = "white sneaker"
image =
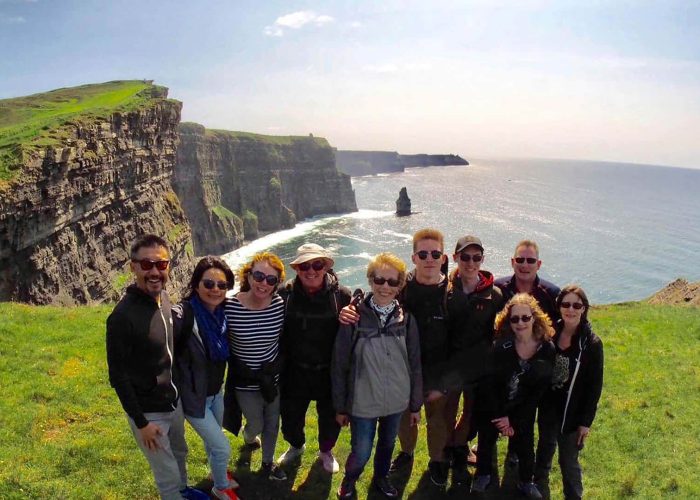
pixel 291 454
pixel 330 464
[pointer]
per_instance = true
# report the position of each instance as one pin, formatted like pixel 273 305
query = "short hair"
pixel 428 234
pixel 268 257
pixel 577 290
pixel 527 243
pixel 542 326
pixel 147 241
pixel 387 259
pixel 206 263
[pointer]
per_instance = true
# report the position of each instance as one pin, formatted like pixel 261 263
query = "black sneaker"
pixel 402 460
pixel 529 490
pixel 460 475
pixel 438 472
pixel 273 471
pixel 347 488
pixel 512 459
pixel 385 487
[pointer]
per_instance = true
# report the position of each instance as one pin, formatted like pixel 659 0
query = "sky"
pixel 590 79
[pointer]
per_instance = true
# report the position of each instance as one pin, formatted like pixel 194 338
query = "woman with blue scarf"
pixel 201 364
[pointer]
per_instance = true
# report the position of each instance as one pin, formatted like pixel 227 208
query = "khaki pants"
pixel 436 430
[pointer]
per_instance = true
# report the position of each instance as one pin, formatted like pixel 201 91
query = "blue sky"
pixel 607 80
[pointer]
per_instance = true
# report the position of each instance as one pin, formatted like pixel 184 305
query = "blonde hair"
pixel 527 243
pixel 268 257
pixel 389 260
pixel 542 326
pixel 429 234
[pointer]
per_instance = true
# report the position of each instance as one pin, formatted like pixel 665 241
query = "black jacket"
pixel 585 386
pixel 544 292
pixel 472 319
pixel 310 328
pixel 194 368
pixel 494 393
pixel 428 304
pixel 140 346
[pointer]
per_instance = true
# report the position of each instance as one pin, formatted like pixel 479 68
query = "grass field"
pixel 64 435
pixel 40 120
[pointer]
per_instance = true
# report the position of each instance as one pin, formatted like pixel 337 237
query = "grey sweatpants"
pixel 261 418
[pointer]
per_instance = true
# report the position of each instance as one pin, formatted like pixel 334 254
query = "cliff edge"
pixel 83 171
pixel 678 292
pixel 234 184
pixel 356 163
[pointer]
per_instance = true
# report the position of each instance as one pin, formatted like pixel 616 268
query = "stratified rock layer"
pixel 231 180
pixel 66 223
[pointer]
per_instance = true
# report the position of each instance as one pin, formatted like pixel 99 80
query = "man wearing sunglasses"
pixel 473 302
pixel 425 296
pixel 140 346
pixel 526 262
pixel 312 302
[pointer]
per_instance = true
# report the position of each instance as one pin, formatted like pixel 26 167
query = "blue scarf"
pixel 212 329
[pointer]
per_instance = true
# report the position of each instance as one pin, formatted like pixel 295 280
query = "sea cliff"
pixel 234 184
pixel 356 163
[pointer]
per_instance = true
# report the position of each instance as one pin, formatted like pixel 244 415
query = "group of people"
pixel 508 352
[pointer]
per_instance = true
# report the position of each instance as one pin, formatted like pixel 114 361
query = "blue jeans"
pixel 215 442
pixel 168 460
pixel 362 432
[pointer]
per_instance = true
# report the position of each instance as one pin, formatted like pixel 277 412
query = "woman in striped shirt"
pixel 255 316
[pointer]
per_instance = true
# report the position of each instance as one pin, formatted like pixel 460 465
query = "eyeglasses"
pixel 423 254
pixel 465 257
pixel 210 284
pixel 317 265
pixel 147 264
pixel 520 260
pixel 517 319
pixel 379 280
pixel 260 276
pixel 575 305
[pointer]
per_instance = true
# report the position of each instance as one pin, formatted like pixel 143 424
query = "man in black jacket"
pixel 140 348
pixel 312 302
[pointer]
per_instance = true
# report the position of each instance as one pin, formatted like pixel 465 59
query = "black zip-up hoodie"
pixel 140 354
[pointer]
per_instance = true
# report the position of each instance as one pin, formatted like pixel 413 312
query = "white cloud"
pixel 296 20
pixel 355 24
pixel 395 68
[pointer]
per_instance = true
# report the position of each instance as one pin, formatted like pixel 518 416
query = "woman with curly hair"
pixel 569 407
pixel 507 402
pixel 255 316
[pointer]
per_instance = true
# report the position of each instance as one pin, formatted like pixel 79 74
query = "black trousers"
pixel 523 442
pixel 300 387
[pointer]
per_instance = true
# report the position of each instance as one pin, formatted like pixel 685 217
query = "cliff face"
pixel 357 163
pixel 67 221
pixel 233 183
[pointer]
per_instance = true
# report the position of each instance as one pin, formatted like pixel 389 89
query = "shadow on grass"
pixel 317 483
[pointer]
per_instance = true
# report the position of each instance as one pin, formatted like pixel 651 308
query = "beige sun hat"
pixel 311 251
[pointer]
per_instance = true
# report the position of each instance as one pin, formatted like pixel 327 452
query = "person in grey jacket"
pixel 376 374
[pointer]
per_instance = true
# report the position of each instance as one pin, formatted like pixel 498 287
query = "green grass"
pixel 42 120
pixel 63 433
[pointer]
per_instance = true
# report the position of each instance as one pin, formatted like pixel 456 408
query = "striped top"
pixel 254 335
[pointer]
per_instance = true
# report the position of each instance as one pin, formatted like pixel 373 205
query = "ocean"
pixel 621 231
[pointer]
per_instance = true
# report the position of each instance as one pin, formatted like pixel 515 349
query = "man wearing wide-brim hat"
pixel 313 300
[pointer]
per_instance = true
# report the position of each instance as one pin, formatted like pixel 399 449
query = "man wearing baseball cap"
pixel 313 300
pixel 473 302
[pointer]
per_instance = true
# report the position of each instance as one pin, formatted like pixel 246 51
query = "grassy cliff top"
pixel 41 120
pixel 283 140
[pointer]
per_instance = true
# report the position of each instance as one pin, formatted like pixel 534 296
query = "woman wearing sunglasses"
pixel 376 374
pixel 507 399
pixel 569 407
pixel 255 316
pixel 202 363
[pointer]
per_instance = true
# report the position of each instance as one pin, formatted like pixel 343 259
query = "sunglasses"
pixel 270 279
pixel 378 280
pixel 423 254
pixel 317 265
pixel 517 319
pixel 465 257
pixel 210 284
pixel 575 305
pixel 147 264
pixel 530 260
